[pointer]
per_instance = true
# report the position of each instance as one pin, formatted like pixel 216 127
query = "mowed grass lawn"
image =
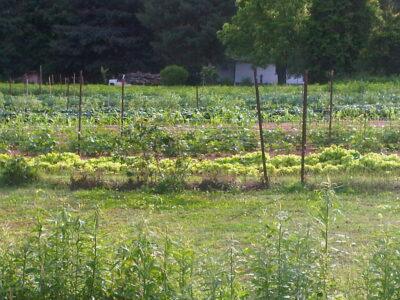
pixel 367 207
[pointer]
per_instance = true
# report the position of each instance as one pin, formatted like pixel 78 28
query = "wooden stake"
pixel 50 85
pixel 304 130
pixel 122 104
pixel 67 93
pixel 80 112
pixel 74 82
pixel 26 86
pixel 260 125
pixel 40 79
pixel 330 108
pixel 197 97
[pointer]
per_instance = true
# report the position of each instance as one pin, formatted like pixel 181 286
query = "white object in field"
pixel 293 79
pixel 116 82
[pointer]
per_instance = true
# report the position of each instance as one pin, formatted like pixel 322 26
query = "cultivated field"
pixel 167 201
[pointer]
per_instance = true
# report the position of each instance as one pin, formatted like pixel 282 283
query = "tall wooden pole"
pixel 40 79
pixel 50 85
pixel 260 125
pixel 122 104
pixel 304 130
pixel 26 86
pixel 330 107
pixel 80 112
pixel 73 84
pixel 197 97
pixel 67 93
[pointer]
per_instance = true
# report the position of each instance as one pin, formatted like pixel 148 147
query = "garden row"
pixel 278 102
pixel 55 135
pixel 177 174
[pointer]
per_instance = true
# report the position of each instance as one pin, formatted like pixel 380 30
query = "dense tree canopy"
pixel 95 33
pixel 337 30
pixel 382 53
pixel 25 33
pixel 185 30
pixel 146 35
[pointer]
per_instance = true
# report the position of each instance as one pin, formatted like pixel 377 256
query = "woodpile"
pixel 140 78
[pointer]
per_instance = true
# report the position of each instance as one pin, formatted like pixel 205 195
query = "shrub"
pixel 174 75
pixel 16 171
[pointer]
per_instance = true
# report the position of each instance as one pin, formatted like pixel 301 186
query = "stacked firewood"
pixel 143 78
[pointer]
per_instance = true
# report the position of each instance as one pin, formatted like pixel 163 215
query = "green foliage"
pixel 381 55
pixel 68 257
pixel 17 171
pixel 185 32
pixel 67 36
pixel 381 278
pixel 336 33
pixel 264 32
pixel 174 75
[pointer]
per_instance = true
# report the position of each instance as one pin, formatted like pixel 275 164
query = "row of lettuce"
pixel 331 160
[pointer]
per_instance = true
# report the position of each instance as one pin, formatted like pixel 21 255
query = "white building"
pixel 243 72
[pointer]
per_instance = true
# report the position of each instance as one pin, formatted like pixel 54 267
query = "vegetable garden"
pixel 185 169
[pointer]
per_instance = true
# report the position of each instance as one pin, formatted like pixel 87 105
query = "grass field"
pixel 209 221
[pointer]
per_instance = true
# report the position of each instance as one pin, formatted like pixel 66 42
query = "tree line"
pixel 345 36
pixel 349 36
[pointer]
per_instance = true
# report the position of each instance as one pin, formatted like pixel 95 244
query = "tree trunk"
pixel 281 71
pixel 260 125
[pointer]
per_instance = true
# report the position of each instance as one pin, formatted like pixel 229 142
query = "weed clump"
pixel 16 171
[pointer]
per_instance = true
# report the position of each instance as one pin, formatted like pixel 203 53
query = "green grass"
pixel 368 206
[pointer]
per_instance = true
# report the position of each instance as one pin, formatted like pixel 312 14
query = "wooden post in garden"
pixel 330 107
pixel 80 112
pixel 40 79
pixel 260 125
pixel 67 93
pixel 304 130
pixel 197 97
pixel 73 84
pixel 122 104
pixel 26 86
pixel 50 85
